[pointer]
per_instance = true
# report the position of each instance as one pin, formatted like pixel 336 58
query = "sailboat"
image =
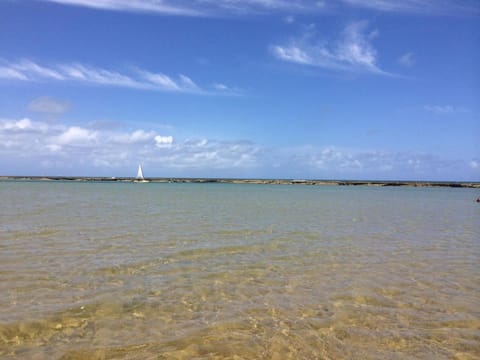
pixel 140 177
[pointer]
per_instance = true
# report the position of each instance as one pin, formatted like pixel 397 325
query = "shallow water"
pixel 216 271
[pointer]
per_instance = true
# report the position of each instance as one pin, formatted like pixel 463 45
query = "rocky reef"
pixel 452 184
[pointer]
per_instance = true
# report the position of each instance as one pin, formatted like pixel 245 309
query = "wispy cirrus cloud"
pixel 428 7
pixel 148 6
pixel 407 60
pixel 352 51
pixel 192 7
pixel 445 109
pixel 239 7
pixel 30 71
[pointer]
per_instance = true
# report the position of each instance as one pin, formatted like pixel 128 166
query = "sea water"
pixel 233 271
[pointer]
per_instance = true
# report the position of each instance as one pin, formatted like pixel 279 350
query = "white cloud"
pixel 294 54
pixel 194 7
pixel 229 7
pixel 163 141
pixel 219 155
pixel 388 5
pixel 21 138
pixel 407 60
pixel 87 74
pixel 48 105
pixel 188 83
pixel 154 6
pixel 31 70
pixel 351 52
pixel 54 148
pixel 161 80
pixel 135 137
pixel 26 70
pixel 343 163
pixel 7 72
pixel 64 147
pixel 24 125
pixel 21 124
pixel 220 87
pixel 75 135
pixel 430 7
pixel 445 109
pixel 355 47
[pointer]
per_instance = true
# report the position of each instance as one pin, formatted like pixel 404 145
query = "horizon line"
pixel 280 181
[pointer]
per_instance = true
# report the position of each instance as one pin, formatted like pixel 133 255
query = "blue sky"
pixel 349 89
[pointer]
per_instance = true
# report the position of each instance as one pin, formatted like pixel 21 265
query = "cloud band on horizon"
pixel 37 145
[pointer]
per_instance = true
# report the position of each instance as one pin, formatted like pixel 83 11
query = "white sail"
pixel 140 173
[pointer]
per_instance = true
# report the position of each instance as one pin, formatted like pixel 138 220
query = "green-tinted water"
pixel 182 271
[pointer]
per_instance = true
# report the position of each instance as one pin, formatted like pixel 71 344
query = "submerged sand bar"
pixel 253 181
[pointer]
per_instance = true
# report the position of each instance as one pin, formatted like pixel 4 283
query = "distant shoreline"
pixel 452 184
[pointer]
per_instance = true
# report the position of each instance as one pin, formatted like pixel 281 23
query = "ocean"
pixel 95 270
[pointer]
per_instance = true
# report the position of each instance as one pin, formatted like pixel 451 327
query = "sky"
pixel 299 89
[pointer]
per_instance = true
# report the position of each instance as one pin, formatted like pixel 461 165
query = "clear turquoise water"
pixel 182 271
